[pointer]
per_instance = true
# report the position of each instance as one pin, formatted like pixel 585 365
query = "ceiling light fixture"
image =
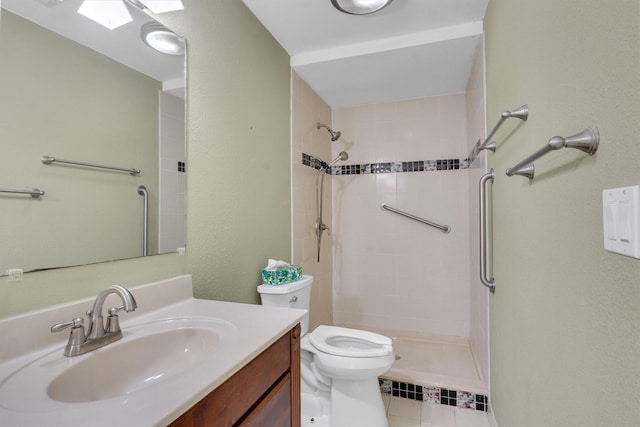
pixel 160 38
pixel 360 7
pixel 114 13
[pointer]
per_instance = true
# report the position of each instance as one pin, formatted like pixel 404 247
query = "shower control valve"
pixel 325 227
pixel 320 227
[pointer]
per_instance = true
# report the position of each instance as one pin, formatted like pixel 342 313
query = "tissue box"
pixel 282 275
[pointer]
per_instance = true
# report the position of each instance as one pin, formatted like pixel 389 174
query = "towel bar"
pixel 47 160
pixel 35 193
pixel 586 141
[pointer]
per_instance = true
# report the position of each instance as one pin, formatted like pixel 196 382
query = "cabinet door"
pixel 266 392
pixel 228 404
pixel 274 409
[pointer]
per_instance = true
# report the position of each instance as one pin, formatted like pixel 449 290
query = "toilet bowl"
pixel 349 353
pixel 339 366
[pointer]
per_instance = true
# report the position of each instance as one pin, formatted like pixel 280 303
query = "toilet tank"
pixel 291 295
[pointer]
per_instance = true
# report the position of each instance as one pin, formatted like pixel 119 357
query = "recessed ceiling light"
pixel 360 7
pixel 160 38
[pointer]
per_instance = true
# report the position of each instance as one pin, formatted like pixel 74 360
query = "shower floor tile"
pixel 439 358
pixel 441 363
pixel 433 360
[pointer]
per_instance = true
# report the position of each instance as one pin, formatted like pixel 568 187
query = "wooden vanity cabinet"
pixel 265 392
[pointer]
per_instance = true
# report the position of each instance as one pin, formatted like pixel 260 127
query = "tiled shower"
pixel 378 270
pixel 391 272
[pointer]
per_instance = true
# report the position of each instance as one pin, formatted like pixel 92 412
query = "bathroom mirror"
pixel 74 90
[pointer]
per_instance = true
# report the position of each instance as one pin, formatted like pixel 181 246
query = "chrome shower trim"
pixel 335 135
pixel 320 226
pixel 342 156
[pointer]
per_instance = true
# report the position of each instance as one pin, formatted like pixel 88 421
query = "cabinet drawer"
pixel 274 409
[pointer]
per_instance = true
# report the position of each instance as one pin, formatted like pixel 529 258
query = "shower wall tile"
pixel 391 272
pixel 387 271
pixel 479 297
pixel 307 110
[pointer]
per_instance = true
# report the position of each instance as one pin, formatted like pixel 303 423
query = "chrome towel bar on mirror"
pixel 444 228
pixel 47 160
pixel 586 141
pixel 488 282
pixel 35 193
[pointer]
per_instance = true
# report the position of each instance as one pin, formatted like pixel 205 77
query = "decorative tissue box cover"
pixel 282 275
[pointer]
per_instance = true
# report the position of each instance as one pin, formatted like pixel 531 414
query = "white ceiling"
pixel 122 44
pixel 410 49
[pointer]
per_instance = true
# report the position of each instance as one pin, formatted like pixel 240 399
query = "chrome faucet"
pixel 98 334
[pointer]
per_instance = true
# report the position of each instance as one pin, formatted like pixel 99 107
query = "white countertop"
pixel 256 327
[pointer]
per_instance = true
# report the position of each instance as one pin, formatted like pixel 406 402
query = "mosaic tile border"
pixel 437 395
pixel 386 167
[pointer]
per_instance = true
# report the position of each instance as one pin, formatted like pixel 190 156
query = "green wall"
pixel 238 213
pixel 565 317
pixel 239 183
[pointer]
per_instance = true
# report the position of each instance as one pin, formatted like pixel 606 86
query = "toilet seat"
pixel 347 342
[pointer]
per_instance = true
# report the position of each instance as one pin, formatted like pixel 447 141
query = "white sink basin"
pixel 147 355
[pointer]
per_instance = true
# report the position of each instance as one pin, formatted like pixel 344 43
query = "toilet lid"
pixel 350 342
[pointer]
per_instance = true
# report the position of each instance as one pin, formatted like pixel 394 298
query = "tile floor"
pixel 411 413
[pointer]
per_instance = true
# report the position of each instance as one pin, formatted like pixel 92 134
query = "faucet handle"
pixel 76 337
pixel 113 323
pixel 78 322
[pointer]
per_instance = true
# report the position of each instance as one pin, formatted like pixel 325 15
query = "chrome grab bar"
pixel 142 190
pixel 47 160
pixel 444 228
pixel 489 283
pixel 35 193
pixel 586 141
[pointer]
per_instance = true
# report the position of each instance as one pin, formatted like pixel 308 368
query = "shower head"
pixel 334 135
pixel 341 157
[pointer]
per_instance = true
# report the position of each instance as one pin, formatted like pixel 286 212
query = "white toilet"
pixel 339 366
